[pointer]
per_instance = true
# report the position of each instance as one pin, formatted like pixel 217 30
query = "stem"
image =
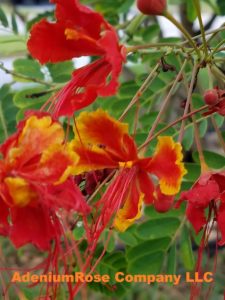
pixel 218 47
pixel 134 24
pixel 198 10
pixel 7 71
pixel 183 30
pixel 217 73
pixel 164 104
pixel 141 90
pixel 171 125
pixel 210 77
pixel 189 96
pixel 152 45
pixel 203 164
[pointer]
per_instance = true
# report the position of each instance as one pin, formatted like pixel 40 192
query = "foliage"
pixel 159 242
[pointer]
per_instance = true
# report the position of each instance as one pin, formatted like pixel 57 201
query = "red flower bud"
pixel 211 97
pixel 151 7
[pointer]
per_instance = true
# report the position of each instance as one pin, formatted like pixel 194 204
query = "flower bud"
pixel 211 97
pixel 151 7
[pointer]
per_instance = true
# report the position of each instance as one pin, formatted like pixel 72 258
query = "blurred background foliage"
pixel 159 243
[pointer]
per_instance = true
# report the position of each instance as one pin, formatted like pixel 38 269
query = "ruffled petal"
pixel 115 55
pixel 196 216
pixel 67 196
pixel 32 225
pixel 51 172
pixel 88 82
pixel 72 12
pixel 98 128
pixel 202 195
pixel 82 89
pixel 4 214
pixel 146 186
pixel 131 210
pixel 92 158
pixel 36 135
pixel 58 46
pixel 162 203
pixel 20 191
pixel 167 165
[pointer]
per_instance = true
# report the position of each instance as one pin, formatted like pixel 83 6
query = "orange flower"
pixel 35 182
pixel 103 142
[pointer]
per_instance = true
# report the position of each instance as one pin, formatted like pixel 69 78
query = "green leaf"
pixel 203 125
pixel 213 160
pixel 126 4
pixel 3 18
pixel 110 243
pixel 191 12
pixel 28 67
pixel 12 44
pixel 171 260
pixel 62 71
pixel 128 238
pixel 150 32
pixel 14 24
pixel 221 5
pixel 188 138
pixel 153 214
pixel 157 228
pixel 186 252
pixel 219 120
pixel 7 113
pixel 28 97
pixel 147 247
pixel 110 265
pixel 147 264
pixel 79 232
pixel 193 171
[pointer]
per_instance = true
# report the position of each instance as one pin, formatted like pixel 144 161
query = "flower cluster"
pixel 36 182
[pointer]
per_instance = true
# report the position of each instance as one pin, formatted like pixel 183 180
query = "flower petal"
pixel 57 46
pixel 4 214
pixel 99 129
pixel 146 187
pixel 35 137
pixel 167 165
pixel 196 216
pixel 67 196
pixel 202 195
pixel 20 191
pixel 131 211
pixel 50 171
pixel 32 225
pixel 162 203
pixel 81 16
pixel 92 158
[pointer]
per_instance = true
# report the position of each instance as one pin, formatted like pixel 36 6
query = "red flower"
pixel 99 78
pixel 207 192
pixel 79 31
pixel 35 182
pixel 151 7
pixel 102 142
